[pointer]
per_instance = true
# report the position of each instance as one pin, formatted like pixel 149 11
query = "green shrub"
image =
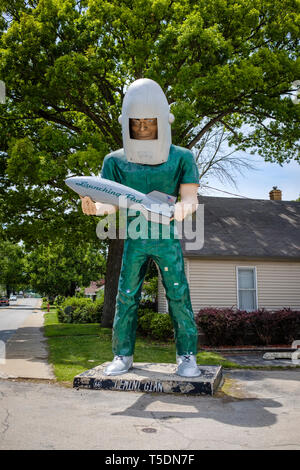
pixel 150 288
pixel 100 295
pixel 80 310
pixel 161 327
pixel 143 311
pixel 59 299
pixel 80 293
pixel 144 322
pixel 155 325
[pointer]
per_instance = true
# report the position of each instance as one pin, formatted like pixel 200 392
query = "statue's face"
pixel 143 129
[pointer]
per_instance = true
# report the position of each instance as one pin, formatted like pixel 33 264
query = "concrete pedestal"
pixel 152 378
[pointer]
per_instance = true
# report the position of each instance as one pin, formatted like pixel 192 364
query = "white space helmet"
pixel 145 99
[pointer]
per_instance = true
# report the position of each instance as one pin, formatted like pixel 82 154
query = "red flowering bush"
pixel 226 326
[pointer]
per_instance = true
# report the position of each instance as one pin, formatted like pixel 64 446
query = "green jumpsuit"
pixel 180 168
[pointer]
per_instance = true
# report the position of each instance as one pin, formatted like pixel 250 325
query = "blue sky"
pixel 257 183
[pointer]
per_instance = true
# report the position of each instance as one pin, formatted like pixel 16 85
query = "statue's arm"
pixel 189 201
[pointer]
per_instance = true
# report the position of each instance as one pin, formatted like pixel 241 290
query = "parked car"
pixel 4 301
pixel 13 297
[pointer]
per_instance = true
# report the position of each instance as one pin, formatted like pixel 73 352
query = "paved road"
pixel 12 317
pixel 254 410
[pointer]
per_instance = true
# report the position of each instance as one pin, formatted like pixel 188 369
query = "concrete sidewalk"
pixel 26 351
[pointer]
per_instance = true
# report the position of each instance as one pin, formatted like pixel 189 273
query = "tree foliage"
pixel 57 269
pixel 66 65
pixel 12 267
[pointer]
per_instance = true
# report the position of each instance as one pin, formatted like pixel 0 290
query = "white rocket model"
pixel 155 206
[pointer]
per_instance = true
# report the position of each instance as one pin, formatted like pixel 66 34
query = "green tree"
pixel 58 268
pixel 12 267
pixel 66 64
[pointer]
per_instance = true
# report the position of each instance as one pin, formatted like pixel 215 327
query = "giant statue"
pixel 150 162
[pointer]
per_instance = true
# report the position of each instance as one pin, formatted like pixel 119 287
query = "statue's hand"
pixel 182 209
pixel 88 206
pixel 105 209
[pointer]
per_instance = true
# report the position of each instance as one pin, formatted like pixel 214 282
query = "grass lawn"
pixel 75 348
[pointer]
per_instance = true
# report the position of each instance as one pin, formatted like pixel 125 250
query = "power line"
pixel 232 194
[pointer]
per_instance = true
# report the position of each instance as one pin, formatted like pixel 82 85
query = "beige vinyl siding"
pixel 278 285
pixel 213 283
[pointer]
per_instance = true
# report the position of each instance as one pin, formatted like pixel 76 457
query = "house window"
pixel 246 287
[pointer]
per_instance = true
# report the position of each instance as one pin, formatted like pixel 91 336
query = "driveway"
pixel 253 410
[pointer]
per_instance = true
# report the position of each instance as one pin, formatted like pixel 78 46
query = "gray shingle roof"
pixel 252 228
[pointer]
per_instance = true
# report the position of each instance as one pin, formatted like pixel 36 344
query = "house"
pixel 93 288
pixel 250 258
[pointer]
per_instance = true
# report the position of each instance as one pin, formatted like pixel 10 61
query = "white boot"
pixel 187 366
pixel 119 365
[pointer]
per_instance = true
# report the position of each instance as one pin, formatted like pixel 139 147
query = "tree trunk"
pixel 113 267
pixel 71 290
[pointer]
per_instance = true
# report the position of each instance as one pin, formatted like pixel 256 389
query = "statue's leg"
pixel 170 261
pixel 134 267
